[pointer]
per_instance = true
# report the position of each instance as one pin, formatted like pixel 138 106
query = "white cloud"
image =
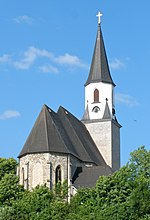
pixel 116 64
pixel 23 19
pixel 33 53
pixel 9 114
pixel 71 60
pixel 5 58
pixel 30 57
pixel 48 69
pixel 126 99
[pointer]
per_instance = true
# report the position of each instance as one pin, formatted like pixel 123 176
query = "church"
pixel 61 147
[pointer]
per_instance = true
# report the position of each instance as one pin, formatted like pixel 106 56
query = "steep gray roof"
pixel 45 134
pixel 99 71
pixel 80 138
pixel 61 132
pixel 88 176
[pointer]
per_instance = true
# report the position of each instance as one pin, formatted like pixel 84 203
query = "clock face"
pixel 96 109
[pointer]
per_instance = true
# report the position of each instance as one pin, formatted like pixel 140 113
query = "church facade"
pixel 61 147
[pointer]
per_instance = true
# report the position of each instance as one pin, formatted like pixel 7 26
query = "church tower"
pixel 99 116
pixel 61 147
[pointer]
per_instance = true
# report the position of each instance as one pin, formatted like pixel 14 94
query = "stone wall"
pixel 39 169
pixel 101 134
pixel 106 135
pixel 116 146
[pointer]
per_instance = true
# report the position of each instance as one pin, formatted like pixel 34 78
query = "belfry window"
pixel 96 95
pixel 58 174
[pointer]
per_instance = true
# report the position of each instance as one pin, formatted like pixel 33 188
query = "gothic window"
pixel 22 175
pixel 96 95
pixel 58 174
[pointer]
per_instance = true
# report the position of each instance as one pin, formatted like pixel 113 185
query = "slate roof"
pixel 99 71
pixel 45 127
pixel 61 132
pixel 88 176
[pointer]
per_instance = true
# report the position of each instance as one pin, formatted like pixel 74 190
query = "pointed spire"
pixel 86 115
pixel 99 71
pixel 107 114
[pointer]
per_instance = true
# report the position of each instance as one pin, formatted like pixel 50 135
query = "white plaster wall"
pixel 105 91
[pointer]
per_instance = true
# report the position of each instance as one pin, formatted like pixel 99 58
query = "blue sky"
pixel 45 54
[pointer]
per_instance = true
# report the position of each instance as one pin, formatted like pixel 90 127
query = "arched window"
pixel 96 95
pixel 58 174
pixel 22 176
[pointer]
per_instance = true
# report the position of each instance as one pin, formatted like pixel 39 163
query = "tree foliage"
pixel 9 189
pixel 7 166
pixel 125 195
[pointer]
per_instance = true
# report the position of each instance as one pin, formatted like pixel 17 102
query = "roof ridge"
pixel 66 112
pixel 47 137
pixel 56 127
pixel 30 139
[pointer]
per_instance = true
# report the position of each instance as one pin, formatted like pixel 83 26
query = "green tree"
pixel 140 196
pixel 39 204
pixel 125 195
pixel 61 190
pixel 7 166
pixel 9 189
pixel 34 204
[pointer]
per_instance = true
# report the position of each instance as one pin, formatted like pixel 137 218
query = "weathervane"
pixel 99 17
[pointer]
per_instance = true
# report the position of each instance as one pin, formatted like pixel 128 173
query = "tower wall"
pixel 115 145
pixel 106 135
pixel 105 91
